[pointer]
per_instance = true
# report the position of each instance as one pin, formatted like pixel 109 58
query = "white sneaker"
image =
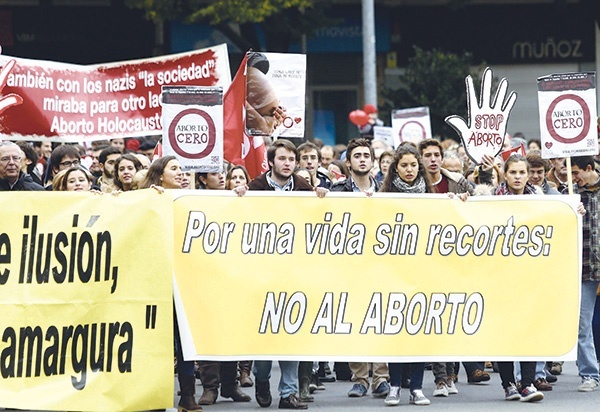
pixel 393 397
pixel 452 389
pixel 417 398
pixel 441 389
pixel 588 385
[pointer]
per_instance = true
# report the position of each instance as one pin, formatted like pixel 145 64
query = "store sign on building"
pixel 549 49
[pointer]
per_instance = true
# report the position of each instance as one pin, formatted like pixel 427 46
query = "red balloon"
pixel 358 117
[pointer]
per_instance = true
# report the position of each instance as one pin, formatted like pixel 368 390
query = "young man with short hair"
pixel 310 159
pixel 283 158
pixel 538 167
pixel 95 168
pixel 587 184
pixel 107 160
pixel 359 159
pixel 442 180
pixel 62 157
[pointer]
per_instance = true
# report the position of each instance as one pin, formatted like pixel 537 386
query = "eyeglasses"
pixel 7 159
pixel 70 163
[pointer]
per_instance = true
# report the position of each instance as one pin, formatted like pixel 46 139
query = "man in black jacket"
pixel 11 176
pixel 359 159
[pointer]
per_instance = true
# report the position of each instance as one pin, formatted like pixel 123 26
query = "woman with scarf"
pixel 406 174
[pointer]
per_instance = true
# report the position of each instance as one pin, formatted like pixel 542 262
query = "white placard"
pixel 275 95
pixel 411 125
pixel 567 103
pixel 192 119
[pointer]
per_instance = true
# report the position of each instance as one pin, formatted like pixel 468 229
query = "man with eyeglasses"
pixel 62 157
pixel 11 176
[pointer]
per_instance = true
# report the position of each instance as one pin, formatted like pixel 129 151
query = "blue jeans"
pixel 586 352
pixel 417 371
pixel 288 383
pixel 540 372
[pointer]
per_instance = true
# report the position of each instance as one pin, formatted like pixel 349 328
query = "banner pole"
pixel 569 178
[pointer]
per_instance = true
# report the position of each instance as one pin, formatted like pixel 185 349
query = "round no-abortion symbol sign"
pixel 412 131
pixel 568 119
pixel 192 134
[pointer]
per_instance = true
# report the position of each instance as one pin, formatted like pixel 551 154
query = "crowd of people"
pixel 364 166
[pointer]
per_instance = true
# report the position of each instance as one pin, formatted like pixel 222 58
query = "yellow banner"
pixel 86 301
pixel 388 277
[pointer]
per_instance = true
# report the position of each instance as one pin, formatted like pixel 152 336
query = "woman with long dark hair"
pixel 406 174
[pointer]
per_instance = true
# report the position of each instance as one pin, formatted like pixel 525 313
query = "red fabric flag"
pixel 238 147
pixel 158 152
pixel 519 149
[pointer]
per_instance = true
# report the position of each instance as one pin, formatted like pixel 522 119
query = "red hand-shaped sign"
pixel 11 99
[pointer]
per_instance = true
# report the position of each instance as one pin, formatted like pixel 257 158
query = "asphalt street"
pixel 487 396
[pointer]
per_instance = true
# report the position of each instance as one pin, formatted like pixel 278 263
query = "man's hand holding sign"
pixel 487 120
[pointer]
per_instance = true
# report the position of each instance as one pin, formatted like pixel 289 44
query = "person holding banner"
pixel 215 374
pixel 516 176
pixel 445 181
pixel 282 157
pixel 164 172
pixel 587 185
pixel 310 159
pixel 407 174
pixel 359 162
pixel 360 159
pixel 236 176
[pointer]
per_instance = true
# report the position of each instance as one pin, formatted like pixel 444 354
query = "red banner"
pixel 66 103
pixel 238 147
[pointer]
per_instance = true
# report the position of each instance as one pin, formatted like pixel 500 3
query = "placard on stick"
pixel 484 130
pixel 567 104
